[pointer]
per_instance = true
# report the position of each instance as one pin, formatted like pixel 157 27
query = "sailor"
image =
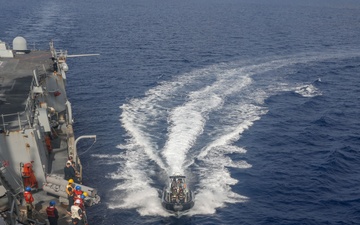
pixel 186 193
pixel 179 182
pixel 78 192
pixel 174 194
pixel 48 143
pixel 173 183
pixel 52 213
pixel 77 213
pixel 29 200
pixel 77 174
pixel 82 202
pixel 81 199
pixel 70 188
pixel 69 171
pixel 87 199
pixel 29 176
pixel 181 195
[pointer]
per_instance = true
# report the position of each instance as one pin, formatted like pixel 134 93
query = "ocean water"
pixel 256 102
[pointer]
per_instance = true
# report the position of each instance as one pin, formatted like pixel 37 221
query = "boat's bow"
pixel 177 196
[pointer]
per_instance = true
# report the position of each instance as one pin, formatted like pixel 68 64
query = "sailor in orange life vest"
pixel 29 200
pixel 78 192
pixel 77 213
pixel 81 198
pixel 52 213
pixel 29 176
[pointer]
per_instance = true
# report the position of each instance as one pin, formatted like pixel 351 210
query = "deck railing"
pixel 15 121
pixel 25 119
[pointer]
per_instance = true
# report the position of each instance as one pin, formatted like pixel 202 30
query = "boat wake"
pixel 191 125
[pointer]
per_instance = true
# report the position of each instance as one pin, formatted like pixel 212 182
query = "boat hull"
pixel 177 206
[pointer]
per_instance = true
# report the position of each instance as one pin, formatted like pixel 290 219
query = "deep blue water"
pixel 257 102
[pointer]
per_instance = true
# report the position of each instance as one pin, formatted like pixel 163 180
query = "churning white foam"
pixel 193 122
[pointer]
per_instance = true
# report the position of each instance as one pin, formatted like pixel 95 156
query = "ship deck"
pixel 16 75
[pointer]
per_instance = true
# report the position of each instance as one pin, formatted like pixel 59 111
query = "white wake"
pixel 189 126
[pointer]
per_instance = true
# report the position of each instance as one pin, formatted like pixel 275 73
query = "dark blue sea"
pixel 257 102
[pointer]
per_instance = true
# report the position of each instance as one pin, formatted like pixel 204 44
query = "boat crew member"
pixel 70 188
pixel 48 143
pixel 186 193
pixel 29 176
pixel 173 183
pixel 174 194
pixel 77 196
pixel 69 171
pixel 181 183
pixel 29 199
pixel 81 199
pixel 181 195
pixel 82 202
pixel 77 174
pixel 87 199
pixel 174 190
pixel 52 213
pixel 78 192
pixel 77 213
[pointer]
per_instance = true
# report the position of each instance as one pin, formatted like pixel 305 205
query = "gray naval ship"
pixel 36 134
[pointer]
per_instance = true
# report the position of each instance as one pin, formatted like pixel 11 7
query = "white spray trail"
pixel 187 122
pixel 208 108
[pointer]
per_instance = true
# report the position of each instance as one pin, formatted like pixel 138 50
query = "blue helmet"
pixel 78 188
pixel 52 203
pixel 28 189
pixel 82 196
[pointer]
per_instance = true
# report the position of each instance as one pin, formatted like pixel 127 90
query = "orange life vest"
pixel 29 176
pixel 48 144
pixel 78 192
pixel 28 197
pixel 27 170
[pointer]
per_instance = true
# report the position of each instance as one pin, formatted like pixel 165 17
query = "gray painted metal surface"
pixel 35 130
